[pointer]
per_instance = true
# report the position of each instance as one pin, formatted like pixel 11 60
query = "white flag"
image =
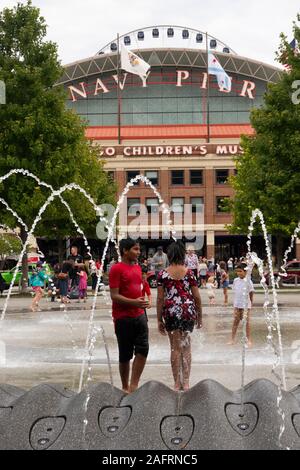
pixel 215 68
pixel 133 63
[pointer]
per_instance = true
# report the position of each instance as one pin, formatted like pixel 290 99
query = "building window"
pixel 221 202
pixel 196 177
pixel 152 205
pixel 132 174
pixel 133 206
pixel 152 176
pixel 177 177
pixel 111 176
pixel 178 204
pixel 222 176
pixel 197 204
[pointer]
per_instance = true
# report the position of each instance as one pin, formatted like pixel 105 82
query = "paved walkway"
pixel 49 346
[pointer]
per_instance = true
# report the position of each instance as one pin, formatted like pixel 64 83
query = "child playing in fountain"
pixel 128 311
pixel 211 286
pixel 82 286
pixel 178 311
pixel 243 299
pixel 37 281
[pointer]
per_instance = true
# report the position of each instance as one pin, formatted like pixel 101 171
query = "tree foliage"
pixel 268 172
pixel 39 134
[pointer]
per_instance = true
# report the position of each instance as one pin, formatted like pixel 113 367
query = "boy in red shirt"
pixel 131 327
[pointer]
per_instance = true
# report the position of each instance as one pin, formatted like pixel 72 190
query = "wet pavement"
pixel 48 346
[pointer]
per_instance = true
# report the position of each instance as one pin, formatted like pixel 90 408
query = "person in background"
pixel 77 262
pixel 224 281
pixel 192 262
pixel 95 267
pixel 37 282
pixel 218 274
pixel 53 285
pixel 63 282
pixel 203 272
pixel 230 264
pixel 82 286
pixel 150 264
pixel 178 310
pixel 128 310
pixel 243 291
pixel 160 260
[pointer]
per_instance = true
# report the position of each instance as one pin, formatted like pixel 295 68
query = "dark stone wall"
pixel 153 418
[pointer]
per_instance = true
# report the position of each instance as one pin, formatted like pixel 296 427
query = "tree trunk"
pixel 279 251
pixel 24 277
pixel 61 250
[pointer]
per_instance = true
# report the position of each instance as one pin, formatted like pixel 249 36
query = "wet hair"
pixel 127 244
pixel 176 253
pixel 242 266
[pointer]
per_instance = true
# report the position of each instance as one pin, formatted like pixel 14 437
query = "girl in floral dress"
pixel 178 310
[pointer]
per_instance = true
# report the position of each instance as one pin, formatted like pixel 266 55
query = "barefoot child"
pixel 211 286
pixel 243 298
pixel 37 281
pixel 82 286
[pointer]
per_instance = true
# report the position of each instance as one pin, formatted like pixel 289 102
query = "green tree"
pixel 268 172
pixel 39 134
pixel 9 245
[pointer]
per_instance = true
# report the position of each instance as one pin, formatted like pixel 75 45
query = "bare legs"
pixel 36 299
pixel 181 358
pixel 225 291
pixel 136 372
pixel 238 316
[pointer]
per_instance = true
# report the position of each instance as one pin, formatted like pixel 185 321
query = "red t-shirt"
pixel 128 279
pixel 146 288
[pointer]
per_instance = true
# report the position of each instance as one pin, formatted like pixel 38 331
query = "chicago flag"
pixel 215 68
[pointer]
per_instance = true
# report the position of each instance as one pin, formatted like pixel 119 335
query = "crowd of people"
pixel 68 281
pixel 180 276
pixel 178 306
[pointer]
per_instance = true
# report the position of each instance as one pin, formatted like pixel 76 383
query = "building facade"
pixel 177 127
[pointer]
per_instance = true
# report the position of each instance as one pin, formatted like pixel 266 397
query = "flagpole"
pixel 207 96
pixel 119 91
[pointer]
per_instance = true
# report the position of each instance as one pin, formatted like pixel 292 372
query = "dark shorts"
pixel 132 335
pixel 225 284
pixel 173 323
pixel 63 287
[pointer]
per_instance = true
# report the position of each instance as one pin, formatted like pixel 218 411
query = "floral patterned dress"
pixel 179 310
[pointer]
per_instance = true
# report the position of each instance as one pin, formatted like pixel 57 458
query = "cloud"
pixel 82 27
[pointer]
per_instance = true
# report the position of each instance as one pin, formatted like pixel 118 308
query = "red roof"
pixel 180 131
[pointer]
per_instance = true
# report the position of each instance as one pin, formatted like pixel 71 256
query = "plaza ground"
pixel 48 346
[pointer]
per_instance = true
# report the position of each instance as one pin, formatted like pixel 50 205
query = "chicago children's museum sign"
pixel 82 90
pixel 172 150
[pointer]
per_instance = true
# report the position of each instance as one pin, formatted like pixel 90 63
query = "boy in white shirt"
pixel 243 299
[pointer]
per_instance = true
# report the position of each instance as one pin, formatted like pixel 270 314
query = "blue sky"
pixel 250 27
